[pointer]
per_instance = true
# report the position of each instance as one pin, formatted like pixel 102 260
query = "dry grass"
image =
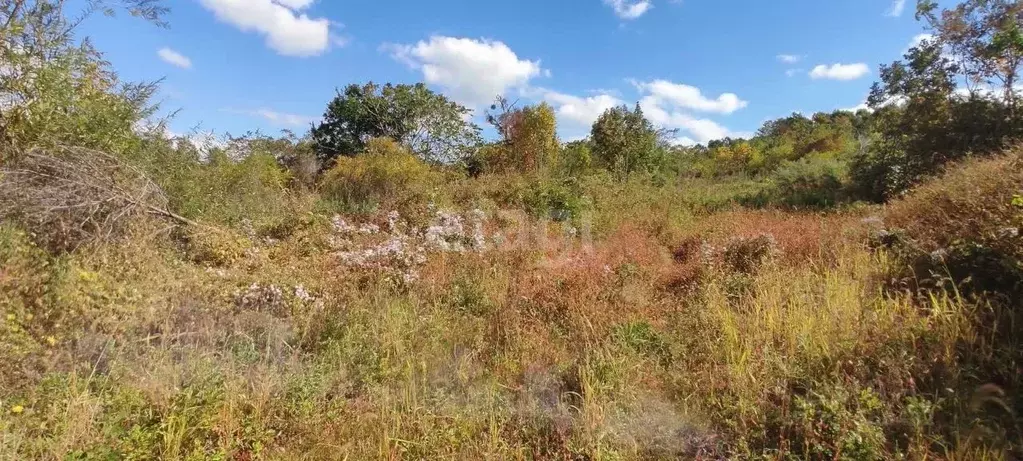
pixel 561 351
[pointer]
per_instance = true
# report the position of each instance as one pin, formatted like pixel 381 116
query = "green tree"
pixel 924 119
pixel 984 38
pixel 625 141
pixel 431 125
pixel 55 89
pixel 576 158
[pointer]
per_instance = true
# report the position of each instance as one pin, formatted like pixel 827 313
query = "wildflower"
pixel 52 341
pixel 369 229
pixel 392 221
pixel 873 221
pixel 11 317
pixel 340 226
pixel 17 409
pixel 302 295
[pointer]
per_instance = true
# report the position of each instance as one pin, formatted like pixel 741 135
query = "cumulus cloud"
pixel 472 71
pixel 789 58
pixel 667 104
pixel 288 31
pixel 894 11
pixel 700 130
pixel 840 71
pixel 627 9
pixel 580 111
pixel 295 4
pixel 690 97
pixel 174 58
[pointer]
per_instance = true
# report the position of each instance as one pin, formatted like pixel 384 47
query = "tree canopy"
pixel 432 126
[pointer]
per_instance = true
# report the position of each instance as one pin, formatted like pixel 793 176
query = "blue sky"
pixel 707 67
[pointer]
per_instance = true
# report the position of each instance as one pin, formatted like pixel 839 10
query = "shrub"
pixel 71 196
pixel 964 224
pixel 387 175
pixel 226 190
pixel 559 200
pixel 813 183
pixel 746 255
pixel 213 247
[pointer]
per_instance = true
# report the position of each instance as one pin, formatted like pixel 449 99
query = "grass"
pixel 649 342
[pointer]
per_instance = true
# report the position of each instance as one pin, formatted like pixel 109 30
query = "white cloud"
pixel 690 97
pixel 789 58
pixel 898 6
pixel 278 118
pixel 287 31
pixel 174 58
pixel 579 111
pixel 665 103
pixel 628 9
pixel 295 4
pixel 840 71
pixel 861 106
pixel 702 130
pixel 683 141
pixel 917 40
pixel 471 71
pixel 792 72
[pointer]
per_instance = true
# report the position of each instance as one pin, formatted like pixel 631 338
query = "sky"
pixel 708 68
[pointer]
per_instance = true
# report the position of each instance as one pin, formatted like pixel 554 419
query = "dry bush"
pixel 966 224
pixel 799 237
pixel 68 196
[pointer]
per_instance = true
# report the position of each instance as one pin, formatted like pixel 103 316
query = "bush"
pixel 559 200
pixel 809 183
pixel 966 224
pixel 387 175
pixel 226 190
pixel 71 196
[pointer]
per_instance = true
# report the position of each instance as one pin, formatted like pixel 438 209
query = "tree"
pixel 624 141
pixel 429 124
pixel 529 137
pixel 925 117
pixel 55 89
pixel 984 38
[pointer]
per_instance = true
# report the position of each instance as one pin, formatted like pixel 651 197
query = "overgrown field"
pixel 394 285
pixel 641 329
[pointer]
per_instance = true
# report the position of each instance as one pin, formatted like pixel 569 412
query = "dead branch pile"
pixel 68 196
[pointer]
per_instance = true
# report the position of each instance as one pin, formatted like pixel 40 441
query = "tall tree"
pixel 984 39
pixel 431 125
pixel 624 141
pixel 951 96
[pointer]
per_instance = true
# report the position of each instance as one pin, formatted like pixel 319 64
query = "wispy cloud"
pixel 277 118
pixel 894 11
pixel 628 9
pixel 789 58
pixel 174 58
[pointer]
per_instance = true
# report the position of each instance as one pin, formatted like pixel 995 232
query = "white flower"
pixel 302 295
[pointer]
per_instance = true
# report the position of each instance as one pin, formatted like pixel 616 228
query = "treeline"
pixel 952 96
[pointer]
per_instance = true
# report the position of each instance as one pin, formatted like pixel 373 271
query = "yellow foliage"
pixel 386 175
